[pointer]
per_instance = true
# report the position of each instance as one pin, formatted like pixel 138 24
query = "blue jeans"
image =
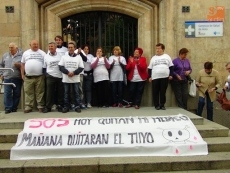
pixel 12 94
pixel 209 106
pixel 136 90
pixel 76 98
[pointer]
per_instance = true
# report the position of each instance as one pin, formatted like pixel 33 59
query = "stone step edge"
pixel 218 160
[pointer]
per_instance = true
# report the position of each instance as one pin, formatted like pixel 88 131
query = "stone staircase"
pixel 217 137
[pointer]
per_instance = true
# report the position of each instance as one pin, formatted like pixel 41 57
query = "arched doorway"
pixel 100 28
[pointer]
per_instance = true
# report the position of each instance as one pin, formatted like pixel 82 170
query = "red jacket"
pixel 142 68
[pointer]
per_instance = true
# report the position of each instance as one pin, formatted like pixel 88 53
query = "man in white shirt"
pixel 71 66
pixel 53 79
pixel 32 74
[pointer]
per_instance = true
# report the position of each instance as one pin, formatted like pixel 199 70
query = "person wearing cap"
pixel 137 75
pixel 160 70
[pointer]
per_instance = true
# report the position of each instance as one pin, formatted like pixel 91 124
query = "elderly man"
pixel 12 95
pixel 32 74
pixel 53 79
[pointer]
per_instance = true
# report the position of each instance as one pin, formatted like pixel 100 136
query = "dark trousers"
pixel 159 87
pixel 76 95
pixel 54 89
pixel 136 90
pixel 87 88
pixel 12 94
pixel 117 91
pixel 180 89
pixel 209 105
pixel 102 89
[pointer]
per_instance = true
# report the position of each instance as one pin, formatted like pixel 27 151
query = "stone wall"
pixel 158 21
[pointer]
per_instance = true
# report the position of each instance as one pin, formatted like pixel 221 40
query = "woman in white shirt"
pixel 87 77
pixel 117 72
pixel 100 67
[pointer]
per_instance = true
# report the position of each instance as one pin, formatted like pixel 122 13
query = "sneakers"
pixel 77 109
pixel 82 106
pixel 89 105
pixel 65 110
pixel 128 106
pixel 46 110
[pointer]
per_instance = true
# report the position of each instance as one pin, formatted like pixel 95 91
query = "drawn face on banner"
pixel 176 135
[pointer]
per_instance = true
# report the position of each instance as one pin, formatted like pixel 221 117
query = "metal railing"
pixel 2 69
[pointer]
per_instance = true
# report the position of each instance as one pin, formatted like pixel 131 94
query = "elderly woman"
pixel 117 70
pixel 182 69
pixel 137 75
pixel 207 81
pixel 160 70
pixel 100 66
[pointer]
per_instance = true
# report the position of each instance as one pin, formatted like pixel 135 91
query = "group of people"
pixel 65 76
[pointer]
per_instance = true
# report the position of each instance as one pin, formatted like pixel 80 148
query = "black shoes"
pixel 157 108
pixel 59 108
pixel 160 107
pixel 77 109
pixel 46 110
pixel 7 111
pixel 65 110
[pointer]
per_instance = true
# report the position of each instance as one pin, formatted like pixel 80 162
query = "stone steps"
pixel 217 144
pixel 213 161
pixel 217 137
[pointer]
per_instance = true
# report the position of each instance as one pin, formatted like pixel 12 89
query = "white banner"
pixel 108 137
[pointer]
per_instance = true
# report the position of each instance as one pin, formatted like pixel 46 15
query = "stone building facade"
pixel 158 21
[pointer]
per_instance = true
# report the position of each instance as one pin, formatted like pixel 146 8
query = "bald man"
pixel 12 95
pixel 32 74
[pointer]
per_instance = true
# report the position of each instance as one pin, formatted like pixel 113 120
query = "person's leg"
pixel 88 82
pixel 99 93
pixel 16 93
pixel 209 105
pixel 114 85
pixel 163 88
pixel 81 88
pixel 177 89
pixel 8 99
pixel 201 103
pixel 29 93
pixel 60 94
pixel 156 92
pixel 139 93
pixel 50 85
pixel 40 91
pixel 185 94
pixel 66 97
pixel 120 93
pixel 77 97
pixel 132 87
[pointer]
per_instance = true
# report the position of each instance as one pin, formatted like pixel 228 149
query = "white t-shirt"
pixel 76 51
pixel 87 64
pixel 160 66
pixel 34 61
pixel 71 64
pixel 136 75
pixel 116 74
pixel 100 73
pixel 51 65
pixel 61 50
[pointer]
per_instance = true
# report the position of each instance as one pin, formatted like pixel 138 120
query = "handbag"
pixel 192 90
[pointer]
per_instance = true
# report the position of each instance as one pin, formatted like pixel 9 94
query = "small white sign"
pixel 203 29
pixel 173 135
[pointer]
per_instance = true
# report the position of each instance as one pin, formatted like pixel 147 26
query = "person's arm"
pixel 94 64
pixel 142 65
pixel 63 69
pixel 78 71
pixel 23 70
pixel 107 65
pixel 84 58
